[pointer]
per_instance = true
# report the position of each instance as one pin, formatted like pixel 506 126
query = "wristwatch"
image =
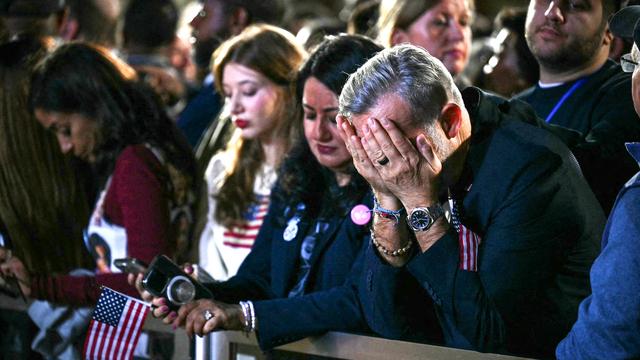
pixel 421 218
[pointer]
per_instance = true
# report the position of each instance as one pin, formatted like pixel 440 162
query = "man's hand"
pixel 365 165
pixel 411 174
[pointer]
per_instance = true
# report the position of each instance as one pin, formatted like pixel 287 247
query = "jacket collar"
pixel 634 150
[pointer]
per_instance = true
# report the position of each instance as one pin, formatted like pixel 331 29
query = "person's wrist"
pixel 237 311
pixel 249 316
pixel 392 242
pixel 388 201
pixel 428 238
pixel 419 200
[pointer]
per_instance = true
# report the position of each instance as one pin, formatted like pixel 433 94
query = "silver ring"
pixel 384 161
pixel 208 315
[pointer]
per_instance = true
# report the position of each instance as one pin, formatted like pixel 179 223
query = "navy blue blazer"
pixel 270 271
pixel 540 227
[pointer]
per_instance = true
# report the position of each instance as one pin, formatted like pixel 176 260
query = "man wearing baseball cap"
pixel 608 325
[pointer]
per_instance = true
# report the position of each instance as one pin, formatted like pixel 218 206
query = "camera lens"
pixel 180 290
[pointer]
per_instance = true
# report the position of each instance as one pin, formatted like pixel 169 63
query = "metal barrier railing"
pixel 235 345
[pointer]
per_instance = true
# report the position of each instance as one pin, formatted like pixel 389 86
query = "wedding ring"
pixel 208 315
pixel 383 161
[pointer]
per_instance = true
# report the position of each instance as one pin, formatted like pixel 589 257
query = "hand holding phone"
pixel 130 265
pixel 166 279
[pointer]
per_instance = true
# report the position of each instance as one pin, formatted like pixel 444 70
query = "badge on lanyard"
pixel 291 230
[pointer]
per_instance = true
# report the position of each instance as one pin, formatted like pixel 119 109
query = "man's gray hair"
pixel 408 71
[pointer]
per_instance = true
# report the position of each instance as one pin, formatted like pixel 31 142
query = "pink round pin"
pixel 360 214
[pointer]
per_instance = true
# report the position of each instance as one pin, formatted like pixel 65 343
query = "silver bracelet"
pixel 249 316
pixel 253 316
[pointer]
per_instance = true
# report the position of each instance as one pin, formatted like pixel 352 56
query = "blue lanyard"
pixel 565 97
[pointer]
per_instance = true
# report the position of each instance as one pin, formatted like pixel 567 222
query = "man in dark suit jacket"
pixel 505 260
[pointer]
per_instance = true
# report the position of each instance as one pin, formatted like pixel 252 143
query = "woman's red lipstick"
pixel 241 123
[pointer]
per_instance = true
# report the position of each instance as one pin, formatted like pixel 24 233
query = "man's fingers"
pixel 211 325
pixel 397 137
pixel 372 149
pixel 379 137
pixel 345 129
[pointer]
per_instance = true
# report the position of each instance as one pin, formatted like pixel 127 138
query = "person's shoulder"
pixel 217 171
pixel 611 79
pixel 218 162
pixel 135 152
pixel 524 94
pixel 136 157
pixel 515 144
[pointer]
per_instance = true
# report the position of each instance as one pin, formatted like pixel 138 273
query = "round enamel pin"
pixel 360 214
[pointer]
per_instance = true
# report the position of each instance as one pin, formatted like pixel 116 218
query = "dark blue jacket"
pixel 608 325
pixel 270 271
pixel 540 227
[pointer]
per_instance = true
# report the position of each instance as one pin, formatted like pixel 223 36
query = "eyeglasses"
pixel 627 64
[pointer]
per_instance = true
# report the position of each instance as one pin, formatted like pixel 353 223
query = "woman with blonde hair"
pixel 442 27
pixel 256 72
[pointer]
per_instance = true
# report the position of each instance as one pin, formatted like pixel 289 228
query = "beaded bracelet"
pixel 386 213
pixel 384 250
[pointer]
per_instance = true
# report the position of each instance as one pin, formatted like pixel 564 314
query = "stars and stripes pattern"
pixel 115 326
pixel 243 236
pixel 468 240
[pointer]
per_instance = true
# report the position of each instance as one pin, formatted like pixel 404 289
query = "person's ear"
pixel 69 30
pixel 451 120
pixel 239 20
pixel 617 48
pixel 68 27
pixel 399 36
pixel 608 37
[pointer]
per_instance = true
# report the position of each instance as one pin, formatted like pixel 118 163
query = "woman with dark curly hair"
pixel 100 114
pixel 311 237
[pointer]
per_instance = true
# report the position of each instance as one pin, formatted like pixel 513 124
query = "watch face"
pixel 420 219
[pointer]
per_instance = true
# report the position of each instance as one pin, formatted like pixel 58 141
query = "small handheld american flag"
pixel 115 326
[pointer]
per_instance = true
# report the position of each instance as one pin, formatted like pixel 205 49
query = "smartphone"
pixel 130 265
pixel 166 279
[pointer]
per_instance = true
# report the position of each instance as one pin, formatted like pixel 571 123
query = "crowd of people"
pixel 393 170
